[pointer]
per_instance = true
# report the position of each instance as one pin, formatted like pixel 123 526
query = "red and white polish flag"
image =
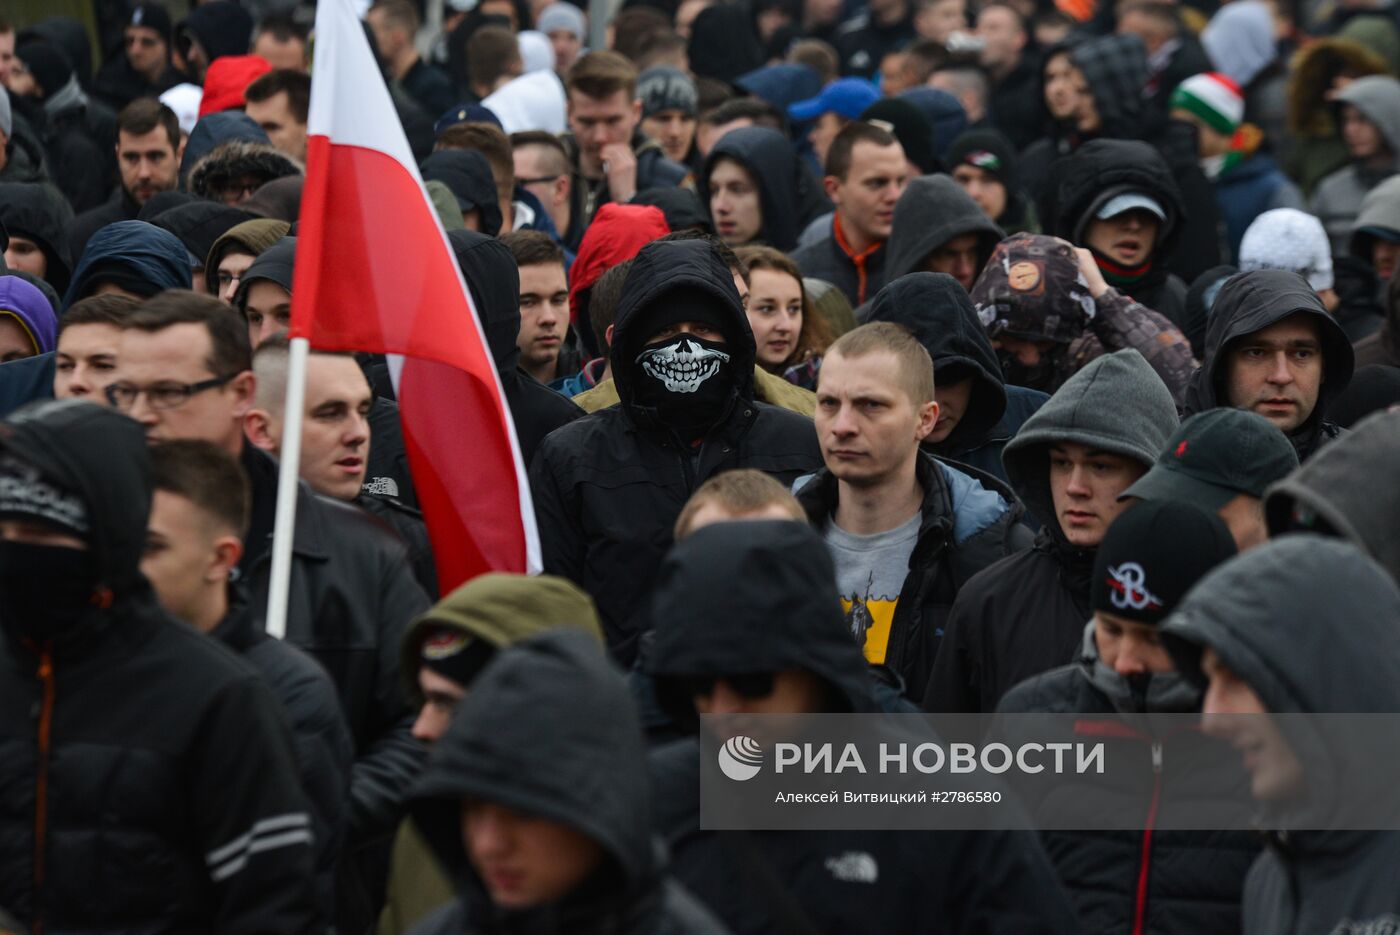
pixel 375 272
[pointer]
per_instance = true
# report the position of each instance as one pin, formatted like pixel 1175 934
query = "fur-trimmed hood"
pixel 235 159
pixel 1313 69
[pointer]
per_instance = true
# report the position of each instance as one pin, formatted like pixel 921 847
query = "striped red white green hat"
pixel 1213 97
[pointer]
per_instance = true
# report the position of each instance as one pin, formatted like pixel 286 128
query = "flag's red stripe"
pixel 373 274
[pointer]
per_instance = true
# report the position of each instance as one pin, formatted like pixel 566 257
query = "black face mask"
pixel 688 381
pixel 45 590
pixel 1040 377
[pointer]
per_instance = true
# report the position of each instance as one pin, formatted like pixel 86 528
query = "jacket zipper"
pixel 41 790
pixel 1140 912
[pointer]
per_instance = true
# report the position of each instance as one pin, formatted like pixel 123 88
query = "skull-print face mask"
pixel 687 380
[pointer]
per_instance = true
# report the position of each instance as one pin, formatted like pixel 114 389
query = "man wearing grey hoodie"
pixel 1369 116
pixel 1025 614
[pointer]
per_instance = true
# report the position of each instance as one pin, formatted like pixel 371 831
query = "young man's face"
pixel 146 50
pixel 1128 647
pixel 86 361
pixel 1362 137
pixel 183 557
pixel 440 697
pixel 7 56
pixel 866 198
pixel 984 187
pixel 544 314
pixel 172 357
pixel 1002 37
pixel 940 20
pixel 1065 88
pixel 267 307
pixel 735 203
pixel 149 163
pixel 335 435
pixel 15 342
pixel 959 258
pixel 275 116
pixel 280 53
pixel 823 132
pixel 524 860
pixel 566 48
pixel 1085 484
pixel 1277 372
pixel 868 426
pixel 1234 712
pixel 24 255
pixel 952 399
pixel 674 130
pixel 1127 239
pixel 230 272
pixel 1384 253
pixel 598 121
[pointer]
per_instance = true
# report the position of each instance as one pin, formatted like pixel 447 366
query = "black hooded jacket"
pixel 1103 169
pixel 199 223
pixel 494 281
pixel 608 487
pixel 932 211
pixel 787 192
pixel 746 597
pixel 39 213
pixel 1320 649
pixel 157 764
pixel 937 311
pixel 1250 302
pixel 572 754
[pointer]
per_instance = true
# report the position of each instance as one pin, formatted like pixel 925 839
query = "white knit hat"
pixel 1286 238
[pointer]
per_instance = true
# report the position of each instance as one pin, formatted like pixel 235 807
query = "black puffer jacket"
pixel 1154 882
pixel 608 487
pixel 321 739
pixel 1024 615
pixel 158 764
pixel 573 755
pixel 1103 169
pixel 970 520
pixel 1250 302
pixel 494 281
pixel 735 598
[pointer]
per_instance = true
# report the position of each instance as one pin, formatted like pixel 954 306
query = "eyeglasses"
pixel 750 685
pixel 122 395
pixel 543 178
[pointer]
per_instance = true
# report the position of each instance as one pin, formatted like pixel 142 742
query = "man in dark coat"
pixel 1025 615
pixel 536 802
pixel 905 531
pixel 149 774
pixel 1271 347
pixel 747 621
pixel 608 487
pixel 1159 881
pixel 37 217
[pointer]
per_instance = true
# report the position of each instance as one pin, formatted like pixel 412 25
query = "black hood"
pixel 199 223
pixel 467 174
pixel 223 28
pixel 494 281
pixel 937 311
pixel 41 214
pixel 573 753
pixel 276 264
pixel 1200 299
pixel 969 146
pixel 1115 70
pixel 932 211
pixel 100 455
pixel 666 266
pixel 1103 169
pixel 723 43
pixel 785 190
pixel 1251 302
pixel 749 597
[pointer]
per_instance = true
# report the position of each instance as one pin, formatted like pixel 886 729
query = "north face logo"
pixel 854 867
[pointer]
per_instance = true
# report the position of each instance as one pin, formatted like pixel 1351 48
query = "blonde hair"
pixel 915 364
pixel 740 493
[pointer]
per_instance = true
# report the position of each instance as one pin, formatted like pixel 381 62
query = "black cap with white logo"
pixel 1152 555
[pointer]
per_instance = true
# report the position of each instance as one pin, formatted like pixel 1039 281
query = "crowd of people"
pixel 891 357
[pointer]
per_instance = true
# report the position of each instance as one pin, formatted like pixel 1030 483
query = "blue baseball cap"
pixel 465 113
pixel 847 97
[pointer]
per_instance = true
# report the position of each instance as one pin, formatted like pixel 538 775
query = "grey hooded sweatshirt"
pixel 1025 614
pixel 1337 198
pixel 549 730
pixel 932 211
pixel 1345 490
pixel 1324 642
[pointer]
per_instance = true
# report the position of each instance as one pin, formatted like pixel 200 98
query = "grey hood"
pixel 1378 97
pixel 1117 404
pixel 1380 208
pixel 932 211
pixel 1323 642
pixel 1347 486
